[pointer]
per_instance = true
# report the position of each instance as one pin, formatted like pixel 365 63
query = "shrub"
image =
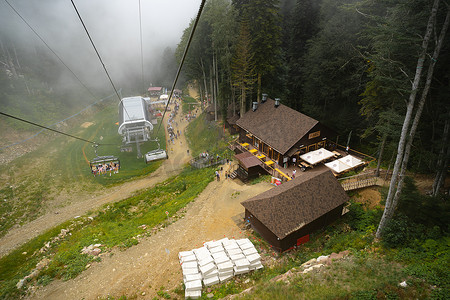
pixel 396 232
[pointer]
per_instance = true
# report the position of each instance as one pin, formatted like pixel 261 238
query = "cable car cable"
pixel 202 4
pixel 45 43
pixel 68 118
pixel 54 130
pixel 98 55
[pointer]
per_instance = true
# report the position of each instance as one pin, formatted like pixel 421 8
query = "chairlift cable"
pixel 202 4
pixel 98 55
pixel 54 130
pixel 45 43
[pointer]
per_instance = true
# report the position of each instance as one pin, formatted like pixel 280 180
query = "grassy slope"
pixel 117 224
pixel 206 136
pixel 32 181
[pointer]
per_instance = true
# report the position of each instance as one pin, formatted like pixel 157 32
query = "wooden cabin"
pixel 286 215
pixel 249 166
pixel 282 133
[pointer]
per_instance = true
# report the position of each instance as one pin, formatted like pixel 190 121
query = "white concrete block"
pixel 243 241
pixel 226 266
pixel 184 253
pixel 187 258
pixel 225 277
pixel 195 285
pixel 250 251
pixel 205 260
pixel 189 265
pixel 226 273
pixel 201 252
pixel 253 257
pixel 241 270
pixel 207 268
pixel 224 240
pixel 192 294
pixel 211 281
pixel 242 263
pixel 222 259
pixel 213 244
pixel 234 251
pixel 189 271
pixel 216 249
pixel 192 277
pixel 231 246
pixel 237 257
pixel 219 254
pixel 213 272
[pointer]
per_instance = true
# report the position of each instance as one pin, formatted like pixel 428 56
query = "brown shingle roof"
pixel 248 160
pixel 279 127
pixel 292 205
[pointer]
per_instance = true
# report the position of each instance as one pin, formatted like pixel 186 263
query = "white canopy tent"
pixel 337 166
pixel 351 161
pixel 316 156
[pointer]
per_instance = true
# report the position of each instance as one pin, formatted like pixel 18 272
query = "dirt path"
pixel 178 157
pixel 143 269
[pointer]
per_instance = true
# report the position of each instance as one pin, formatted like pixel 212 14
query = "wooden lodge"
pixel 281 133
pixel 285 216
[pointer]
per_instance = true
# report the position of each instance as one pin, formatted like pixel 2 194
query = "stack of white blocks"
pixel 217 261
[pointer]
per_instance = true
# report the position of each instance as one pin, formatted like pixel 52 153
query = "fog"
pixel 114 28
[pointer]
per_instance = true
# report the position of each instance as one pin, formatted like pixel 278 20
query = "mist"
pixel 115 30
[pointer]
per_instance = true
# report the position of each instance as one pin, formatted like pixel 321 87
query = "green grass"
pixel 207 136
pixel 188 104
pixel 117 224
pixel 33 180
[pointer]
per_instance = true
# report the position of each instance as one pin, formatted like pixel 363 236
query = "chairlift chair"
pixel 103 160
pixel 155 155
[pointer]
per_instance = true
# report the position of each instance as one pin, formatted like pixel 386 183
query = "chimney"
pixel 277 102
pixel 264 98
pixel 255 106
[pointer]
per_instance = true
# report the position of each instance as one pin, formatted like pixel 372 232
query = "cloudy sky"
pixel 113 26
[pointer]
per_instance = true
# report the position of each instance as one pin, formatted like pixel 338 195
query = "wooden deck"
pixel 363 180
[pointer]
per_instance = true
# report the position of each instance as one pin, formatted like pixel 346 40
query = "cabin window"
pixel 311 147
pixel 321 144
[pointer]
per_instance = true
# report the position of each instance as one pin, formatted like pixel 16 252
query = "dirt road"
pixel 143 269
pixel 178 157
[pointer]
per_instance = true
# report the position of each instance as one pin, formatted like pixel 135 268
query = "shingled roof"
pixel 279 127
pixel 248 160
pixel 296 203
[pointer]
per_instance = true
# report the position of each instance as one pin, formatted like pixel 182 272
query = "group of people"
pixel 173 133
pixel 102 169
pixel 218 174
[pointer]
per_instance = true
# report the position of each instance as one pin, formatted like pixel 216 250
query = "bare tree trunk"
pixel 216 71
pixel 258 96
pixel 423 98
pixel 380 156
pixel 204 80
pixel 243 109
pixel 390 204
pixel 443 158
pixel 211 87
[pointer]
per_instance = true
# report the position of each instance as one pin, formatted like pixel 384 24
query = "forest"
pixel 348 63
